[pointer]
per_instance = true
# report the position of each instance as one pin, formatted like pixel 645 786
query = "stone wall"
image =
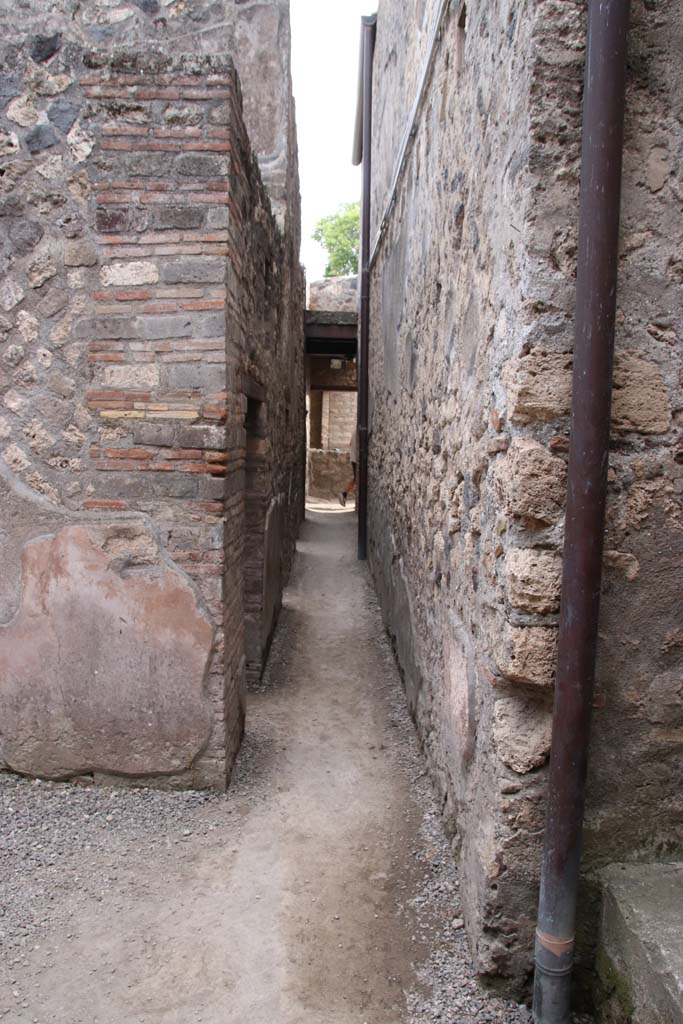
pixel 334 295
pixel 146 290
pixel 471 341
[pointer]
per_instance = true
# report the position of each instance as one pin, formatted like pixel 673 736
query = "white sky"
pixel 325 45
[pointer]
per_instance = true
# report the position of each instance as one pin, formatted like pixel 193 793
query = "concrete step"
pixel 640 954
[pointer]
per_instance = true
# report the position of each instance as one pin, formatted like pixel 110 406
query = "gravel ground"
pixel 67 849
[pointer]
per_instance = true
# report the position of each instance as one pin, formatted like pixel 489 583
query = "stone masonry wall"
pixel 471 339
pixel 137 235
pixel 255 33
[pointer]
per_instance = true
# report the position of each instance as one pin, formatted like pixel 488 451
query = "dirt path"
pixel 320 891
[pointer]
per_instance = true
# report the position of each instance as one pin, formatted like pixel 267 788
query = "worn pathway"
pixel 319 891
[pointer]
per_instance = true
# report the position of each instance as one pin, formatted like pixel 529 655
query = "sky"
pixel 325 46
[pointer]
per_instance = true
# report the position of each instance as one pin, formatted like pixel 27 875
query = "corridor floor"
pixel 319 891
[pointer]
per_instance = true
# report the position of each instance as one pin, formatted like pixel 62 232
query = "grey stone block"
pixel 195 270
pixel 200 436
pixel 161 434
pixel 180 217
pixel 192 376
pixel 165 326
pixel 212 488
pixel 640 955
pixel 105 327
pixel 200 165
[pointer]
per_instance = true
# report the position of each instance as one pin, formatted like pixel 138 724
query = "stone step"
pixel 640 954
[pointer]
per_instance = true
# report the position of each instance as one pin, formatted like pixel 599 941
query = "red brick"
pixel 206 147
pixel 156 94
pixel 125 453
pixel 208 304
pixel 105 503
pixel 123 296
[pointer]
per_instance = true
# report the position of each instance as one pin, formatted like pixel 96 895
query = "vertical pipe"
pixel 601 160
pixel 369 30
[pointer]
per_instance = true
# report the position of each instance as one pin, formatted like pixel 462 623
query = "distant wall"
pixel 338 419
pixel 334 295
pixel 471 348
pixel 329 473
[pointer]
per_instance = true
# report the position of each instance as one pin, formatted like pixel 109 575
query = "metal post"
pixel 603 120
pixel 369 31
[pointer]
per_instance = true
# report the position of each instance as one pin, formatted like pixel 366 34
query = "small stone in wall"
pixel 533 580
pixel 526 654
pixel 14 400
pixel 40 271
pixel 43 48
pixel 148 6
pixel 22 112
pixel 9 143
pixel 81 144
pixel 28 326
pixel 15 458
pixel 52 168
pixel 13 355
pixel 522 730
pixel 63 114
pixel 641 401
pixel 80 253
pixel 533 483
pixel 38 437
pixel 539 386
pixel 43 136
pixel 25 235
pixel 53 303
pixel 11 293
pixel 46 84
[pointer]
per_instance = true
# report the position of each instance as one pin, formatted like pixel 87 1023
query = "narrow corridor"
pixel 319 891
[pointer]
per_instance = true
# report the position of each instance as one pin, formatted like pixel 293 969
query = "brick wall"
pixel 144 281
pixel 471 339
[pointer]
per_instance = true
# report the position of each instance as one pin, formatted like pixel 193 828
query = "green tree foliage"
pixel 340 235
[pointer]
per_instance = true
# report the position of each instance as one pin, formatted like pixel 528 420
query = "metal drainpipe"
pixel 369 32
pixel 601 160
